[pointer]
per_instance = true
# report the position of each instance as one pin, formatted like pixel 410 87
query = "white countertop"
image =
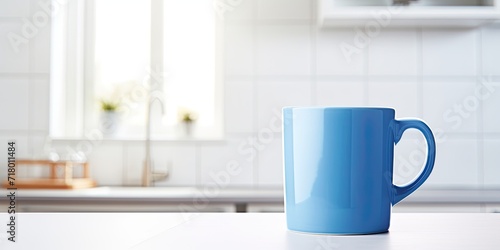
pixel 163 194
pixel 242 231
pixel 231 195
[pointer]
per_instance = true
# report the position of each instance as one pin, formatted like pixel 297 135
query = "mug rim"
pixel 337 108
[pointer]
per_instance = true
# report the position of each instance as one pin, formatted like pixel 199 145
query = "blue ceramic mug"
pixel 339 165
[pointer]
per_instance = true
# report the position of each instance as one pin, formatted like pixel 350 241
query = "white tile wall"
pixel 12 60
pixel 106 164
pixel 39 145
pixel 39 120
pixel 270 163
pixel 449 52
pixel 447 104
pixel 14 8
pixel 490 93
pixel 283 50
pixel 491 156
pixel 284 9
pixel 330 58
pixel 272 96
pixel 394 52
pixel 181 162
pixel 239 50
pixel 14 100
pixel 399 94
pixel 134 160
pixel 409 157
pixel 341 92
pixel 239 107
pixel 456 165
pixel 40 59
pixel 491 50
pixel 230 163
pixel 275 56
pixel 237 10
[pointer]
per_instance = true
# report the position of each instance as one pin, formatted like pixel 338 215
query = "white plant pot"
pixel 109 122
pixel 188 128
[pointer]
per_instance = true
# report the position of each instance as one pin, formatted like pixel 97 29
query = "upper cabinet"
pixel 407 13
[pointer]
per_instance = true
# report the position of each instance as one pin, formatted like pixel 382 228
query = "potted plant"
pixel 109 116
pixel 187 118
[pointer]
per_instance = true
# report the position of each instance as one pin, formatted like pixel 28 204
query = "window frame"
pixel 72 111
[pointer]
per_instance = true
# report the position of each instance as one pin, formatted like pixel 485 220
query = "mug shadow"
pixel 299 240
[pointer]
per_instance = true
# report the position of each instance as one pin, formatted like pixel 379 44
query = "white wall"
pixel 276 56
pixel 24 79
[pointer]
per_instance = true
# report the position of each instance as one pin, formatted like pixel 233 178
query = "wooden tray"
pixel 52 183
pixel 66 181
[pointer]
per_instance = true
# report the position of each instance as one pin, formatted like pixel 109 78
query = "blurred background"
pixel 192 91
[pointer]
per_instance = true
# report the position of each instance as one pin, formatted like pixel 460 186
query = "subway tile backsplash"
pixel 491 161
pixel 14 103
pixel 332 56
pixel 18 9
pixel 272 95
pixel 231 163
pixel 490 37
pixel 490 95
pixel 343 92
pixel 450 52
pixel 12 60
pixel 239 47
pixel 403 98
pixel 394 52
pixel 239 118
pixel 182 169
pixel 107 163
pixel 456 164
pixel 449 104
pixel 39 98
pixel 276 56
pixel 284 9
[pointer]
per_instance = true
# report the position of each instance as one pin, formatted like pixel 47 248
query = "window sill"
pixel 138 139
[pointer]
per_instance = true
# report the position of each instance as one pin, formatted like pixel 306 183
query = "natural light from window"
pixel 123 70
pixel 121 59
pixel 189 57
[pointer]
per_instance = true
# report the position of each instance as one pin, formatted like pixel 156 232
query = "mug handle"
pixel 398 127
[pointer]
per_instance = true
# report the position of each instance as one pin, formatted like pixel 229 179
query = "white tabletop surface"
pixel 241 231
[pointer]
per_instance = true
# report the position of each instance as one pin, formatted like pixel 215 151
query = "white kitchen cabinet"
pixel 437 208
pixel 492 208
pixel 69 207
pixel 371 16
pixel 265 208
pixel 403 208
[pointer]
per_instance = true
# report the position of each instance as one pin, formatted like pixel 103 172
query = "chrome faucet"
pixel 149 176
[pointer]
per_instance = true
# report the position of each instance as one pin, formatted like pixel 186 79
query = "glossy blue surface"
pixel 339 165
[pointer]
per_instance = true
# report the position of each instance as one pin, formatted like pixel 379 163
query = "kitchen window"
pixel 131 52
